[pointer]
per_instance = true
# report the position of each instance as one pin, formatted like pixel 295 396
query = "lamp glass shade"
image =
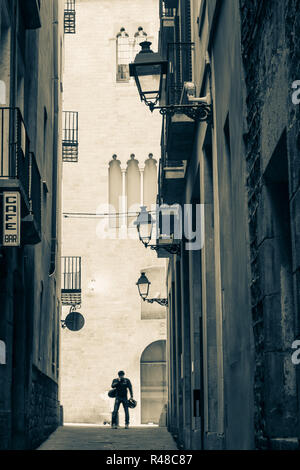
pixel 149 78
pixel 148 69
pixel 143 286
pixel 144 225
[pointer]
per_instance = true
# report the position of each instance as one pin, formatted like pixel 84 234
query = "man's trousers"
pixel 118 402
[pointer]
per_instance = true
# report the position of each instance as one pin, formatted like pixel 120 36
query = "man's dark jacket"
pixel 121 387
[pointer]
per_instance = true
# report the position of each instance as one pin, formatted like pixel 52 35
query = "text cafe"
pixel 11 219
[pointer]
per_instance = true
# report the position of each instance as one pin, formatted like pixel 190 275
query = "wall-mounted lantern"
pixel 149 70
pixel 144 224
pixel 143 284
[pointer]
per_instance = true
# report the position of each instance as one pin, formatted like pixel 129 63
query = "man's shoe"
pixel 115 426
pixel 126 426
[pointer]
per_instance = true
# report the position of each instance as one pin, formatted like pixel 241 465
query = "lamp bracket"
pixel 197 111
pixel 72 309
pixel 163 302
pixel 173 249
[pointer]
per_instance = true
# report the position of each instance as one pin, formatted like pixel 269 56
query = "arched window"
pixel 150 182
pixel 153 382
pixel 115 190
pixel 133 184
pixel 123 55
pixel 139 37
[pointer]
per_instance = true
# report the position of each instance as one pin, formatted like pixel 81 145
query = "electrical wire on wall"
pixel 91 215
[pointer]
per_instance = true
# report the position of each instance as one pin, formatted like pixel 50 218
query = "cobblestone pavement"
pixel 81 437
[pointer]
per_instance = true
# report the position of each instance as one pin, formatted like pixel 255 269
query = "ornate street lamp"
pixel 143 284
pixel 144 224
pixel 149 70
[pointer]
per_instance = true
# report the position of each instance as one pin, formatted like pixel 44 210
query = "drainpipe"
pixel 54 231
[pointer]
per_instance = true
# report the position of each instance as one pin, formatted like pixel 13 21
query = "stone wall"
pixel 43 408
pixel 270 52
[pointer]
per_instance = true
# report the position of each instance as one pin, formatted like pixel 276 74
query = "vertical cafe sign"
pixel 11 218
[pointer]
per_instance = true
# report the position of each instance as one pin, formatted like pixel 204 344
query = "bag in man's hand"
pixel 131 403
pixel 112 393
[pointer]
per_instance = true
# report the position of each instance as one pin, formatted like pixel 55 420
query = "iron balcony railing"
pixel 69 17
pixel 180 58
pixel 70 136
pixel 71 280
pixel 14 152
pixel 167 11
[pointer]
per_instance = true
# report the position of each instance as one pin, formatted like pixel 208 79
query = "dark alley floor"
pixel 84 437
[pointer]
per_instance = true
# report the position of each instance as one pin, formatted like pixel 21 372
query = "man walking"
pixel 121 384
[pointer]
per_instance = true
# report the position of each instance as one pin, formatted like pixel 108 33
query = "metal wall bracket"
pixel 173 249
pixel 162 302
pixel 198 111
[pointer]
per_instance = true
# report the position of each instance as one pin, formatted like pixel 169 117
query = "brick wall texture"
pixel 43 409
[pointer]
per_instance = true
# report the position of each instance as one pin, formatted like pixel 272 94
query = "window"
pixel 69 17
pixel 139 37
pixel 70 136
pixel 127 48
pixel 71 280
pixel 123 56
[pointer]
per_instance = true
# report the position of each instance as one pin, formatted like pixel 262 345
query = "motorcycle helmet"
pixel 112 393
pixel 131 403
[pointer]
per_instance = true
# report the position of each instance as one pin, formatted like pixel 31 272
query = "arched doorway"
pixel 153 382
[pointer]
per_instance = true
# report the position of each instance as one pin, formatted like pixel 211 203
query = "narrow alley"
pixel 149 228
pixel 85 437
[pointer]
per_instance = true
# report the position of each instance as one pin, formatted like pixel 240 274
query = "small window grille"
pixel 71 280
pixel 70 136
pixel 70 17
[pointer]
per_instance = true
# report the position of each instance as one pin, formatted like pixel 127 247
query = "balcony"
pixel 168 8
pixel 179 128
pixel 19 172
pixel 14 156
pixel 71 280
pixel 70 17
pixel 171 179
pixel 70 136
pixel 31 13
pixel 31 224
pixel 168 21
